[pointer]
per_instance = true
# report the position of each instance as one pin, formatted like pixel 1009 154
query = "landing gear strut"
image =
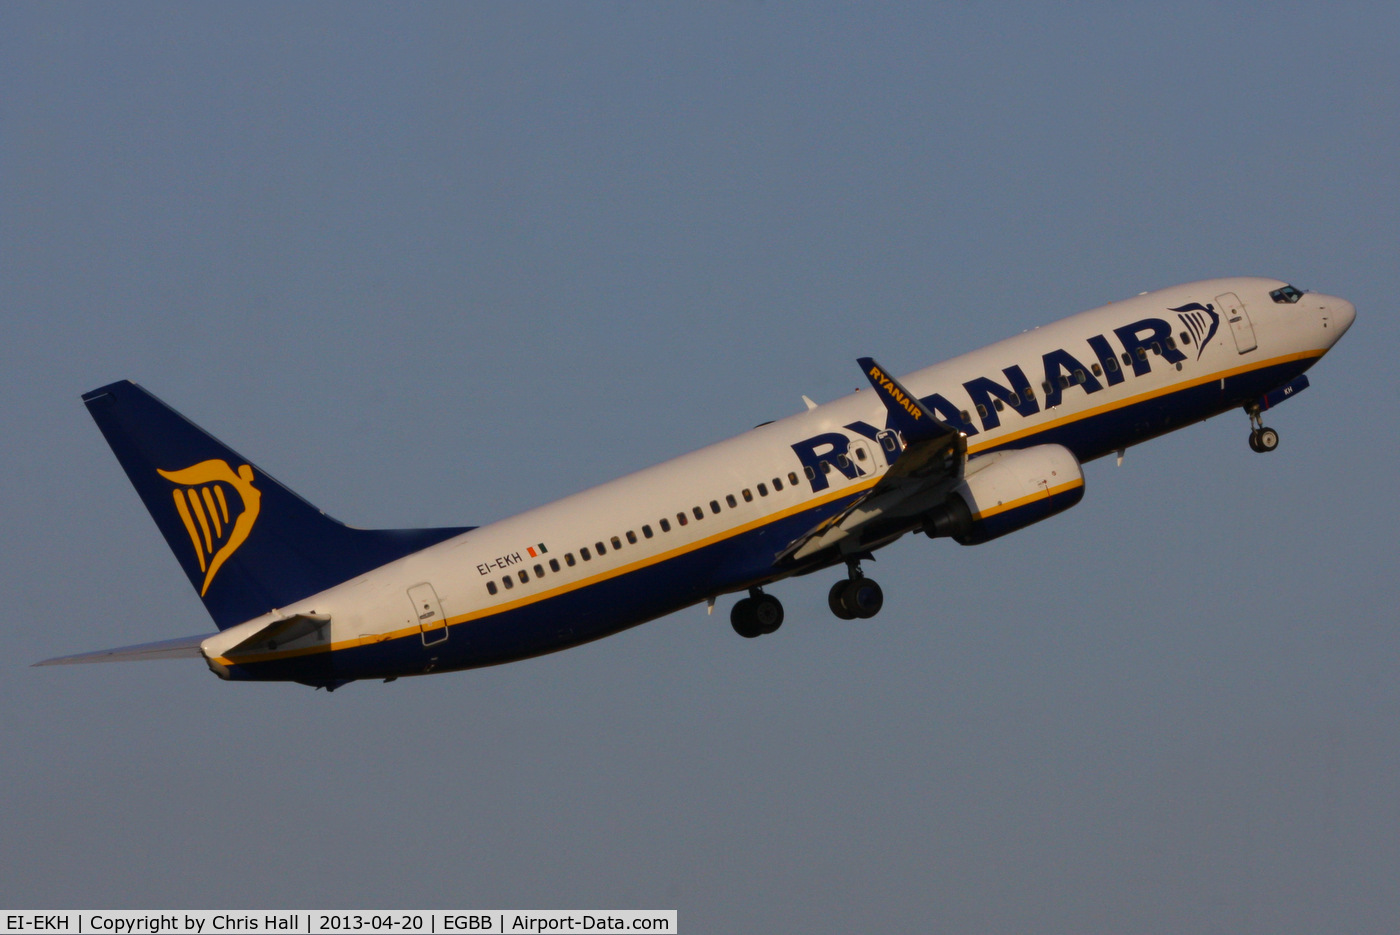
pixel 1261 437
pixel 756 615
pixel 856 597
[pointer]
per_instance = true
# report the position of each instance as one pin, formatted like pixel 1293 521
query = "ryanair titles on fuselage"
pixel 1140 341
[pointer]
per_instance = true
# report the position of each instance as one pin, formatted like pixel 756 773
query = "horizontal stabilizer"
pixel 186 647
pixel 275 634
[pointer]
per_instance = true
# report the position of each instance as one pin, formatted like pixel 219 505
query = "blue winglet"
pixel 908 415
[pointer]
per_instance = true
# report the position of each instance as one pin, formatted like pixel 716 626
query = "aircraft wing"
pixel 183 648
pixel 934 454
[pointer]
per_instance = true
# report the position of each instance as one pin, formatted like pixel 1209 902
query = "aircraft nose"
pixel 1337 316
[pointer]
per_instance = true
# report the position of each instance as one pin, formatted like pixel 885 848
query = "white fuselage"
pixel 1096 386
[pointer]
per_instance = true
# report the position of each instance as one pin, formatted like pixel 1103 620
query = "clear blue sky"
pixel 437 264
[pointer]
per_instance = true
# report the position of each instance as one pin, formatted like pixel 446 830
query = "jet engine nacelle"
pixel 1005 491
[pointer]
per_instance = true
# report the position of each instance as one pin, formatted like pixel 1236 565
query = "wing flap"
pixel 934 453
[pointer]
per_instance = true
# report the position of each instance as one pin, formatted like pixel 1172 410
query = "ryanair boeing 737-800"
pixel 971 449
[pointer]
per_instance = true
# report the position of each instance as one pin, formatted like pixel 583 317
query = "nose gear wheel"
pixel 1261 438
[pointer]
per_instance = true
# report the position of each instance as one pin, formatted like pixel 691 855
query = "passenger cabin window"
pixel 602 549
pixel 777 483
pixel 1185 338
pixel 616 543
pixel 998 404
pixel 665 525
pixel 1171 343
pixel 811 474
pixel 1286 296
pixel 491 587
pixel 1079 376
pixel 554 564
pixel 748 494
pixel 585 554
pixel 714 506
pixel 539 571
pixel 762 489
pixel 729 499
pixel 1128 360
pixel 524 576
pixel 569 559
pixel 508 582
pixel 631 537
pixel 699 513
pixel 646 531
pixel 860 456
pixel 680 518
pixel 792 478
pixel 888 442
pixel 1111 365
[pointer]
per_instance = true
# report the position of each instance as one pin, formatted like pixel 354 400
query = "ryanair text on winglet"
pixel 888 385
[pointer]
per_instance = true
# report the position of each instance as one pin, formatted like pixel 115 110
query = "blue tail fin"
pixel 247 543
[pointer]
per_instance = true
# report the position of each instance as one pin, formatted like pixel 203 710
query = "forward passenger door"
pixel 1240 325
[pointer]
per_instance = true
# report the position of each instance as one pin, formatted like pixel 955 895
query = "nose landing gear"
pixel 856 597
pixel 756 615
pixel 1261 438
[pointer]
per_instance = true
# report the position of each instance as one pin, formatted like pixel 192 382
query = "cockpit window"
pixel 1288 294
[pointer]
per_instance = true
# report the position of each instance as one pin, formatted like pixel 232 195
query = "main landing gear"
pixel 856 597
pixel 1261 437
pixel 756 615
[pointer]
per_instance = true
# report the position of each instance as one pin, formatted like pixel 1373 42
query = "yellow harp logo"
pixel 216 527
